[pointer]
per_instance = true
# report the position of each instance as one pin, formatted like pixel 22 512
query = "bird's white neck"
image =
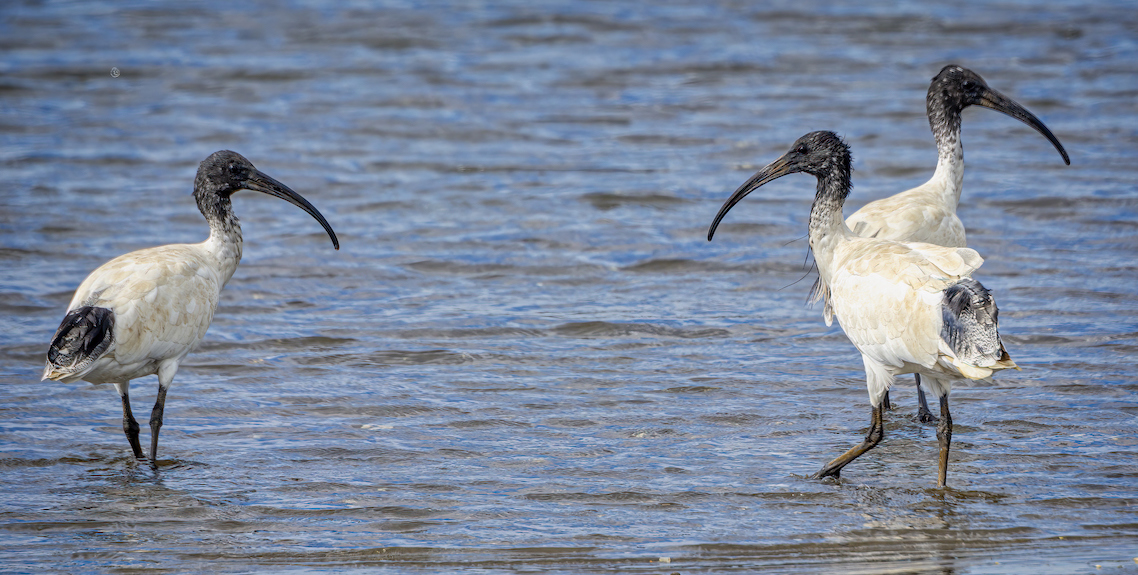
pixel 224 241
pixel 944 121
pixel 225 244
pixel 948 179
pixel 827 227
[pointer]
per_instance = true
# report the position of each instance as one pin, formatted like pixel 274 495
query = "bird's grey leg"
pixel 944 438
pixel 885 402
pixel 156 421
pixel 923 413
pixel 872 438
pixel 129 425
pixel 166 373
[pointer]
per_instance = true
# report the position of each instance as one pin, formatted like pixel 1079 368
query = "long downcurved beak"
pixel 1001 103
pixel 258 181
pixel 774 171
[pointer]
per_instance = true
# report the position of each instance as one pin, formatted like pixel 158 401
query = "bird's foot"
pixel 926 416
pixel 828 472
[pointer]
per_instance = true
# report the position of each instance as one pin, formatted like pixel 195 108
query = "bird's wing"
pixel 163 300
pixel 920 266
pixel 887 297
pixel 886 320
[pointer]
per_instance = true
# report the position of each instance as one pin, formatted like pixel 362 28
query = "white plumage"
pixel 888 297
pixel 163 301
pixel 927 213
pixel 907 307
pixel 143 312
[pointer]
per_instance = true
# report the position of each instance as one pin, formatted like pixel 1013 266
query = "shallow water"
pixel 526 357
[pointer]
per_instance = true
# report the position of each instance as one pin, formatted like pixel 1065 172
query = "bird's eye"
pixel 969 85
pixel 801 149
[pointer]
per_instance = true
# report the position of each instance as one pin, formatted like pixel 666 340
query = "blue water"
pixel 526 357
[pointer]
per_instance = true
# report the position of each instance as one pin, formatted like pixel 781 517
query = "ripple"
pixel 527 357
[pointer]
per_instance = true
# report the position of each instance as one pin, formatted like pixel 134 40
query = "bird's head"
pixel 956 88
pixel 821 154
pixel 224 172
pixel 816 153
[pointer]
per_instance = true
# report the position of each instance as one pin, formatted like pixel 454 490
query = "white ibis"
pixel 141 313
pixel 927 213
pixel 907 307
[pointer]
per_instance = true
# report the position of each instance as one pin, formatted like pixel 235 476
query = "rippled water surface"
pixel 526 357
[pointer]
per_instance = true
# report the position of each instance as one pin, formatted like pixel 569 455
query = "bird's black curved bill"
pixel 261 182
pixel 996 101
pixel 774 171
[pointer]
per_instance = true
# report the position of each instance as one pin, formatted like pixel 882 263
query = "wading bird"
pixel 141 313
pixel 927 213
pixel 907 307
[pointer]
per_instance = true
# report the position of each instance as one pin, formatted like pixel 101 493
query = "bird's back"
pixel 925 214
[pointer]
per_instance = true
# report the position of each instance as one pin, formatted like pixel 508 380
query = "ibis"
pixel 141 313
pixel 927 213
pixel 908 307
